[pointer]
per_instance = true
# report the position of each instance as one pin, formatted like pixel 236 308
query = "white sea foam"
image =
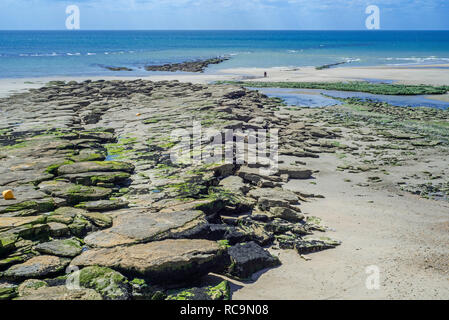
pixel 239 53
pixel 418 60
pixel 349 60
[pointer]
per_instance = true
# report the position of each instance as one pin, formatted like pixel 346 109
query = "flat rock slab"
pixel 144 227
pixel 37 267
pixel 248 258
pixel 168 261
pixel 95 166
pixel 16 178
pixel 234 184
pixel 311 244
pixel 103 205
pixel 94 178
pixel 255 175
pixel 295 172
pixel 62 248
pixel 61 293
pixel 74 193
pixel 7 223
pixel 274 194
pixel 26 197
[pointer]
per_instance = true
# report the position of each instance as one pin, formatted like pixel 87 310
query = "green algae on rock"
pixel 61 248
pixel 107 282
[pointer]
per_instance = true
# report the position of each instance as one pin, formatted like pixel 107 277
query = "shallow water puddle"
pixel 323 98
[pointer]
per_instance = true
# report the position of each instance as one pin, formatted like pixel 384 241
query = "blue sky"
pixel 224 14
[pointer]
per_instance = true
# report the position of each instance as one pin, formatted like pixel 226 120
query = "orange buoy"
pixel 8 195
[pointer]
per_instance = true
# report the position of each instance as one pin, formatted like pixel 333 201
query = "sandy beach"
pixel 367 168
pixel 424 74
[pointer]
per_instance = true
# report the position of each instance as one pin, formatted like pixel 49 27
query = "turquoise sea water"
pixel 82 53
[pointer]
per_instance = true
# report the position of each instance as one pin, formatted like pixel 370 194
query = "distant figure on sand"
pixel 265 74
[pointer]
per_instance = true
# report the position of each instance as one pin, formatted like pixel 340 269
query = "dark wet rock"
pixel 8 291
pixel 132 228
pixel 37 267
pixel 142 290
pixel 80 227
pixel 228 202
pixel 248 258
pixel 95 166
pixel 235 94
pixel 7 242
pixel 74 193
pixel 62 248
pixel 309 245
pixel 260 217
pixel 219 292
pixel 118 68
pixel 190 66
pixel 103 205
pixel 281 226
pixel 13 259
pixel 168 261
pixel 225 232
pixel 254 231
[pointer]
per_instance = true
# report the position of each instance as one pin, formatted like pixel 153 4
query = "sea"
pixel 26 54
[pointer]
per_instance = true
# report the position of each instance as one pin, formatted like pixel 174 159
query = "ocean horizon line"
pixel 171 30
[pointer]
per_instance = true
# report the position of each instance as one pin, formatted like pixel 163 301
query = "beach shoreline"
pixel 419 74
